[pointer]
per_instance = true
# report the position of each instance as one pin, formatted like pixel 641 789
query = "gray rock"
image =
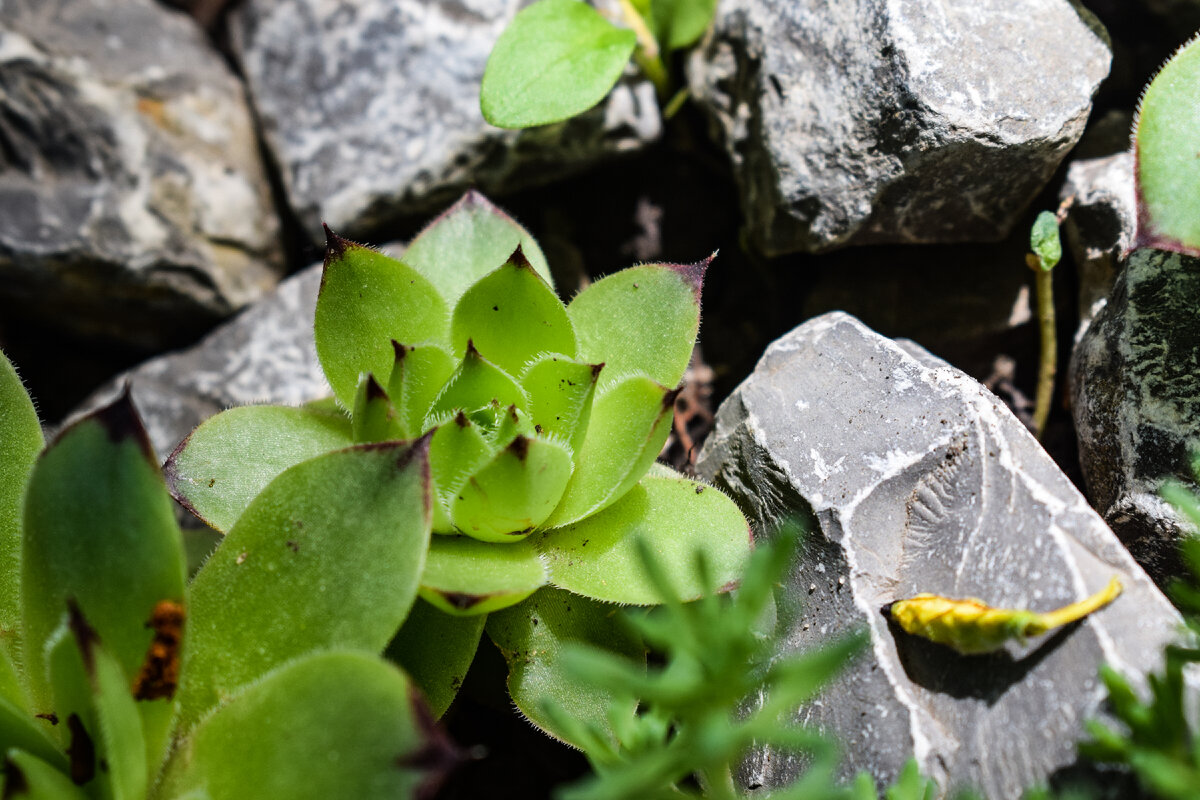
pixel 1135 395
pixel 130 175
pixel 895 120
pixel 371 109
pixel 1100 225
pixel 919 480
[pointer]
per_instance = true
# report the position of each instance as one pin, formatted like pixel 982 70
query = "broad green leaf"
pixel 478 383
pixel 20 443
pixel 375 418
pixel 556 59
pixel 458 448
pixel 27 776
pixel 679 23
pixel 1044 240
pixel 418 375
pixel 514 493
pixel 465 576
pixel 532 637
pixel 628 426
pixel 560 396
pixel 436 650
pixel 512 315
pixel 230 458
pixel 366 300
pixel 468 241
pixel 327 556
pixel 676 516
pixel 100 529
pixel 21 731
pixel 641 321
pixel 332 724
pixel 1166 141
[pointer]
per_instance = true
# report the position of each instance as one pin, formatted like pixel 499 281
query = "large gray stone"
pixel 1135 395
pixel 133 201
pixel 895 120
pixel 371 109
pixel 921 481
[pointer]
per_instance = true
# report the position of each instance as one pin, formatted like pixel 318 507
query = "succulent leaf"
pixel 560 396
pixel 556 59
pixel 366 300
pixel 629 424
pixel 231 457
pixel 465 576
pixel 20 731
pixel 375 419
pixel 676 516
pixel 514 493
pixel 1166 143
pixel 679 23
pixel 20 443
pixel 458 448
pixel 328 555
pixel 99 528
pixel 332 724
pixel 418 375
pixel 436 649
pixel 512 315
pixel 467 242
pixel 532 637
pixel 37 779
pixel 476 384
pixel 641 321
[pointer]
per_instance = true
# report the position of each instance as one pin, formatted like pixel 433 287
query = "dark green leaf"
pixel 556 59
pixel 20 442
pixel 436 650
pixel 328 555
pixel 679 23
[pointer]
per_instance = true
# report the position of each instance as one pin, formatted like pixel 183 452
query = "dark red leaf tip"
pixel 374 390
pixel 693 274
pixel 520 447
pixel 596 370
pixel 81 753
pixel 471 351
pixel 436 755
pixel 85 635
pixel 120 419
pixel 668 401
pixel 335 246
pixel 401 350
pixel 461 419
pixel 518 259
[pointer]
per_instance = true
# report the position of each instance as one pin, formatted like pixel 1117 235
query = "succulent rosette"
pixel 543 422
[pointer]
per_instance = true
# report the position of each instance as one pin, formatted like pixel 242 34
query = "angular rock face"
pixel 371 109
pixel 894 120
pixel 1135 396
pixel 130 174
pixel 921 481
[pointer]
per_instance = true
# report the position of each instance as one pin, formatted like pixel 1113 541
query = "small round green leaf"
pixel 366 300
pixel 641 321
pixel 436 650
pixel 333 724
pixel 1167 149
pixel 512 315
pixel 230 458
pixel 532 637
pixel 328 555
pixel 1044 240
pixel 676 516
pixel 556 59
pixel 514 493
pixel 468 241
pixel 466 576
pixel 679 23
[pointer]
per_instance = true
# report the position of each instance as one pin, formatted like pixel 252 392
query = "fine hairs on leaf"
pixel 696 718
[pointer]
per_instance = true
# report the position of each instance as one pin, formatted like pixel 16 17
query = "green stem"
pixel 1049 356
pixel 647 55
pixel 676 103
pixel 718 783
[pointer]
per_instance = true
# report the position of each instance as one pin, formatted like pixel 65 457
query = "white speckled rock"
pixel 895 120
pixel 920 480
pixel 371 109
pixel 130 174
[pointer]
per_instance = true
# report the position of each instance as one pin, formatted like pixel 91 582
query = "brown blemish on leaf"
pixel 460 419
pixel 81 753
pixel 668 401
pixel 520 447
pixel 85 635
pixel 437 754
pixel 15 784
pixel 241 559
pixel 293 546
pixel 463 600
pixel 49 716
pixel 159 675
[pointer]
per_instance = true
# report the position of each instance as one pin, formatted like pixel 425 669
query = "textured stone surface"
pixel 920 480
pixel 1099 226
pixel 1135 395
pixel 372 109
pixel 894 120
pixel 130 175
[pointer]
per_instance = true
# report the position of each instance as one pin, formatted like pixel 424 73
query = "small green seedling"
pixel 542 422
pixel 1046 245
pixel 261 677
pixel 558 58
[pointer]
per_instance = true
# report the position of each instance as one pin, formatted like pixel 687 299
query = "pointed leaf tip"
pixel 401 350
pixel 693 274
pixel 335 246
pixel 374 390
pixel 520 447
pixel 121 421
pixel 518 259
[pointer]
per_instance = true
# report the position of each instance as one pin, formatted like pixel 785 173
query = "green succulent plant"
pixel 542 420
pixel 261 676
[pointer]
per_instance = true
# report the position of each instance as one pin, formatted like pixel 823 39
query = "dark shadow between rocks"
pixel 984 677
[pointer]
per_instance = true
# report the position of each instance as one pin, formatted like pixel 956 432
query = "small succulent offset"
pixel 120 679
pixel 542 422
